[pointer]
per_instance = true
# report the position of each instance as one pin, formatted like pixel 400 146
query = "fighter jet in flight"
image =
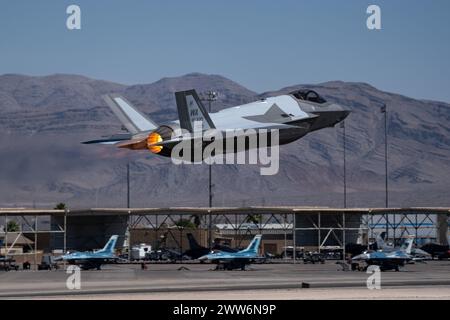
pixel 294 115
pixel 92 260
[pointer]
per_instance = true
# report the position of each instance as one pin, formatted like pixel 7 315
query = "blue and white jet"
pixel 93 260
pixel 416 253
pixel 236 260
pixel 388 260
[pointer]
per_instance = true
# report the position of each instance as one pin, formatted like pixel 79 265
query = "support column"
pixel 370 225
pixel 210 231
pixel 65 237
pixel 319 231
pixel 343 237
pixel 442 228
pixel 6 235
pixel 181 239
pixel 129 235
pixel 416 227
pixel 35 242
pixel 294 239
pixel 395 230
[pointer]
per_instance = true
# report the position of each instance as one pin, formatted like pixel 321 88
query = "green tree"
pixel 12 226
pixel 197 220
pixel 253 218
pixel 185 223
pixel 61 206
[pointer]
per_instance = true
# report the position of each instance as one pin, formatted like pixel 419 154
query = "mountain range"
pixel 44 119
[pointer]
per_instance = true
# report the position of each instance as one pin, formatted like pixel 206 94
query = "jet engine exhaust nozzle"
pixel 152 139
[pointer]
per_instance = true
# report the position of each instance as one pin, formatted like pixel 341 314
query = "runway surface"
pixel 263 281
pixel 386 293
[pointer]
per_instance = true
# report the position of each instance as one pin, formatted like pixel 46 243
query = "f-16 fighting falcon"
pixel 388 260
pixel 416 253
pixel 93 260
pixel 292 115
pixel 196 251
pixel 236 260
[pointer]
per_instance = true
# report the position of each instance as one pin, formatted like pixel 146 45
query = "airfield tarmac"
pixel 429 280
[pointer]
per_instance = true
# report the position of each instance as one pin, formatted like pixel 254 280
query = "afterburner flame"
pixel 153 138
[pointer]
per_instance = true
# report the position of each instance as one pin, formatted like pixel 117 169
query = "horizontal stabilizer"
pixel 109 140
pixel 130 117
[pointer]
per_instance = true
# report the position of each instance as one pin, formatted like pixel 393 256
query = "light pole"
pixel 210 97
pixel 384 111
pixel 128 185
pixel 128 233
pixel 345 163
pixel 345 187
pixel 285 236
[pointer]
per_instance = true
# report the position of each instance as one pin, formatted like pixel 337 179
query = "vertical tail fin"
pixel 190 110
pixel 407 245
pixel 254 245
pixel 110 245
pixel 193 244
pixel 380 241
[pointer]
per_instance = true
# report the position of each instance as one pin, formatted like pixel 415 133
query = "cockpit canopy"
pixel 308 95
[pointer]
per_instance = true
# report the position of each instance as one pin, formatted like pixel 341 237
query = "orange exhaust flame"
pixel 151 140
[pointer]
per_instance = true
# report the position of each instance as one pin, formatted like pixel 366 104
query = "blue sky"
pixel 263 45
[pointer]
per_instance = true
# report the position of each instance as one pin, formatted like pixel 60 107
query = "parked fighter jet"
pixel 388 260
pixel 196 251
pixel 236 260
pixel 294 115
pixel 416 253
pixel 93 260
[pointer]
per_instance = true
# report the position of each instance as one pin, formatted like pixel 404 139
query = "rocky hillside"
pixel 43 119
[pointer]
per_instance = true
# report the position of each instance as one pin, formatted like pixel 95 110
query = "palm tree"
pixel 12 226
pixel 185 223
pixel 253 218
pixel 197 220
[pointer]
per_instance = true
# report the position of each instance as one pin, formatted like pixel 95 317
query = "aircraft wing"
pixel 176 140
pixel 140 142
pixel 117 138
pixel 224 256
pixel 295 121
pixel 135 144
pixel 221 257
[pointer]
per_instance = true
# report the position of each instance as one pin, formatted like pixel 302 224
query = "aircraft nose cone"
pixel 344 113
pixel 361 256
